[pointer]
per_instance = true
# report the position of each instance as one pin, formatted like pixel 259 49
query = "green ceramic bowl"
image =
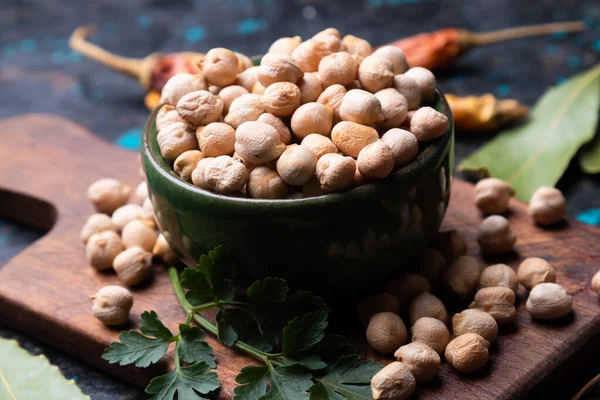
pixel 335 243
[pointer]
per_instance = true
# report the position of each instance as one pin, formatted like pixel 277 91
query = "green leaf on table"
pixel 313 363
pixel 589 158
pixel 188 383
pixel 329 349
pixel 150 325
pixel 236 324
pixel 538 152
pixel 212 279
pixel 25 376
pixel 267 383
pixel 199 289
pixel 269 290
pixel 349 378
pixel 302 333
pixel 192 347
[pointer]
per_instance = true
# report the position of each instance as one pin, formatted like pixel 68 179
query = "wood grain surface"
pixel 46 165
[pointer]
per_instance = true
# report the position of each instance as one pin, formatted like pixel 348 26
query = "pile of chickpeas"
pixel 316 117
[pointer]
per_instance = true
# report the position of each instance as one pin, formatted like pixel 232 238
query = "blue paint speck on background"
pixel 130 140
pixel 573 61
pixel 503 90
pixel 591 216
pixel 195 34
pixel 251 25
pixel 144 21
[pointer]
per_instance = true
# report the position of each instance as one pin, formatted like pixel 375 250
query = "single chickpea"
pixel 125 214
pixel 108 194
pixel 163 251
pixel 547 206
pixel 133 265
pixel 386 332
pixel 167 115
pixel 312 118
pixel 356 45
pixel 310 86
pixel 432 332
pixel 468 353
pixel 377 303
pixel 549 301
pixel 596 283
pixel 403 144
pixel 451 244
pixel 229 94
pixel 111 305
pixel 309 54
pixel 141 192
pixel 281 99
pixel 534 271
pixel 248 78
pixel 410 89
pixel 216 139
pixel 200 108
pixel 495 235
pixel 244 62
pixel 492 195
pixel 96 223
pixel 427 305
pixel 393 106
pixel 284 132
pixel 421 360
pixel 186 163
pixel 394 55
pixel 338 68
pixel 220 67
pixel 222 175
pixel 327 32
pixel 285 45
pixel 375 160
pixel 361 107
pixel 351 137
pixel 475 321
pixel 265 183
pixel 245 108
pixel 258 88
pixel 498 301
pixel 297 165
pixel 375 74
pixel 431 264
pixel 332 97
pixel 428 124
pixel 137 233
pixel 393 382
pixel 406 286
pixel 181 84
pixel 335 173
pixel 258 142
pixel 147 211
pixel 174 140
pixel 499 275
pixel 426 81
pixel 319 144
pixel 278 68
pixel 462 276
pixel 102 248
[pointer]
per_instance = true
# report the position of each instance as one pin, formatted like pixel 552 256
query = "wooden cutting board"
pixel 46 165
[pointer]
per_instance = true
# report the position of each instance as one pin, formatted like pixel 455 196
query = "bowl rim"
pixel 426 159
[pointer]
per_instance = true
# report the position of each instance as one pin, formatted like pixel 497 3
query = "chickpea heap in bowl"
pixel 316 117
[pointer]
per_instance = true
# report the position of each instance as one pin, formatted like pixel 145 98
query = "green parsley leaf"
pixel 269 290
pixel 284 383
pixel 199 289
pixel 304 332
pixel 236 324
pixel 192 347
pixel 189 383
pixel 211 281
pixel 253 383
pixel 349 378
pixel 152 326
pixel 329 349
pixel 312 362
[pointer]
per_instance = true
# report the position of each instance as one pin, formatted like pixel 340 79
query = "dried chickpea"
pixel 309 54
pixel 377 303
pixel 181 84
pixel 200 108
pixel 361 107
pixel 319 144
pixel 499 275
pixel 163 251
pixel 285 45
pixel 421 360
pixel 386 332
pixel 547 206
pixel 229 94
pixel 596 283
pixel 393 382
pixel 244 62
pixel 393 106
pixel 335 173
pixel 404 145
pixel 108 194
pixel 297 165
pixel 137 233
pixel 133 265
pixel 332 97
pixel 462 276
pixel 216 139
pixel 451 244
pixel 408 88
pixel 499 302
pixel 312 118
pixel 426 81
pixel 375 73
pixel 475 321
pixel 310 86
pixel 432 332
pixel 356 45
pixel 125 214
pixel 428 124
pixel 495 235
pixel 549 301
pixel 375 160
pixel 186 163
pixel 534 271
pixel 214 89
pixel 338 68
pixel 222 175
pixel 111 305
pixel 245 108
pixel 406 286
pixel 141 192
pixel 167 115
pixel 147 211
pixel 102 248
pixel 281 99
pixel 327 32
pixel 492 195
pixel 427 305
pixel 351 137
pixel 284 132
pixel 258 88
pixel 248 78
pixel 431 264
pixel 258 142
pixel 278 68
pixel 174 140
pixel 265 183
pixel 96 223
pixel 468 353
pixel 220 67
pixel 394 55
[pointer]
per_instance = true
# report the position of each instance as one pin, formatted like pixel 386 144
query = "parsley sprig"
pixel 286 332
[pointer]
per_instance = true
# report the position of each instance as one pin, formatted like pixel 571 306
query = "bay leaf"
pixel 589 158
pixel 24 376
pixel 538 152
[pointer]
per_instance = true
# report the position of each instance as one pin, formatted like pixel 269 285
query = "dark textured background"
pixel 39 73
